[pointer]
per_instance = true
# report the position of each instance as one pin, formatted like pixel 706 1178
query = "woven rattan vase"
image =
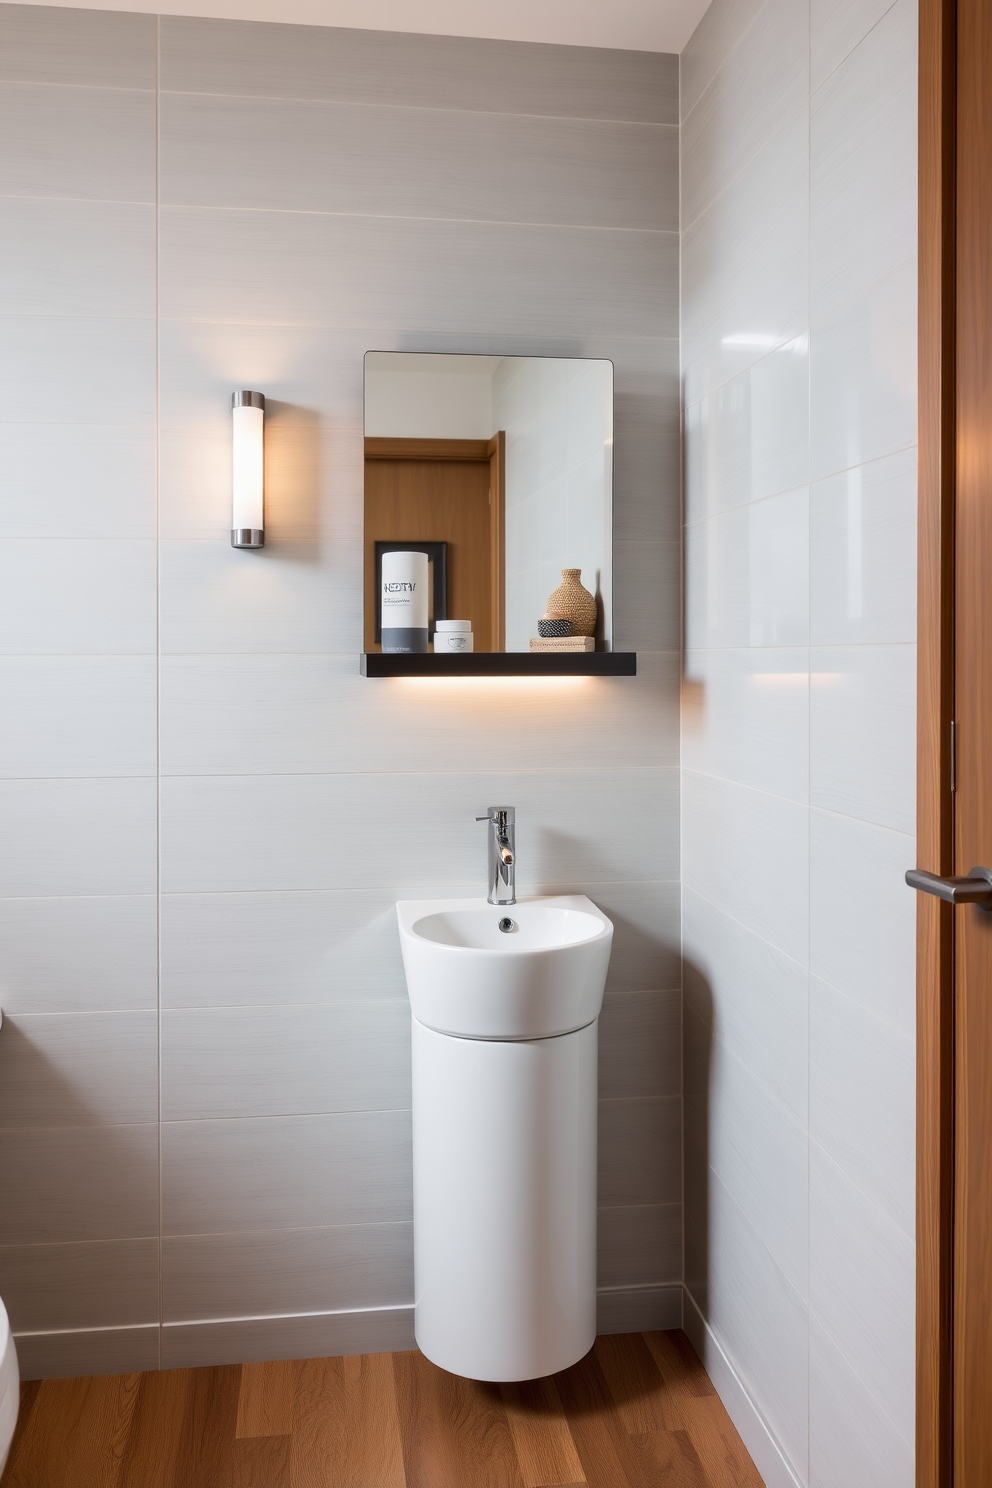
pixel 571 602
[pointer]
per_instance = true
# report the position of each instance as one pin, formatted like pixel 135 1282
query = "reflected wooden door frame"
pixel 490 451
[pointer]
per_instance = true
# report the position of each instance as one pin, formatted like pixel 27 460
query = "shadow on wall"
pixel 697 1048
pixel 294 478
pixel 76 1166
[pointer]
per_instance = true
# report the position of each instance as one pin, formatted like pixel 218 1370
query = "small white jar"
pixel 453 635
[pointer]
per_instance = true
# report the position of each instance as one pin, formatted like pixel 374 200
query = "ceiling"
pixel 640 25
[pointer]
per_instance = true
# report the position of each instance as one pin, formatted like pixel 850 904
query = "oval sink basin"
pixel 543 976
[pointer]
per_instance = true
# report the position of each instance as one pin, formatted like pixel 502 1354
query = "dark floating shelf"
pixel 501 664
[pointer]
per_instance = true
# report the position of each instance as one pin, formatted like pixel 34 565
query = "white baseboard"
pixel 766 1454
pixel 190 1345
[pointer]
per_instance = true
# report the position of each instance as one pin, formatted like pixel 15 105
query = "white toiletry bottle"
pixel 453 635
pixel 404 601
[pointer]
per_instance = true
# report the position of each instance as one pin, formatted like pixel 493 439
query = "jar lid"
pixel 453 625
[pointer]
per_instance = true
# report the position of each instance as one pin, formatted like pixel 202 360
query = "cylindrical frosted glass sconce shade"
pixel 247 518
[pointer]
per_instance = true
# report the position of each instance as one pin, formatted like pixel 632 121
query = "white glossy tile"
pixel 79 715
pixel 720 30
pixel 759 1320
pixel 863 554
pixel 77 837
pixel 749 996
pixel 639 1245
pixel 309 832
pixel 863 163
pixel 96 1284
pixel 851 1439
pixel 862 916
pixel 99 49
pixel 286 1172
pixel 286 597
pixel 863 1079
pixel 76 597
pixel 747 851
pixel 640 1045
pixel 77 258
pixel 763 80
pixel 745 717
pixel 77 480
pixel 759 1152
pixel 251 1273
pixel 747 575
pixel 863 1287
pixel 863 733
pixel 305 269
pixel 451 72
pixel 285 1060
pixel 836 28
pixel 863 376
pixel 736 307
pixel 750 437
pixel 78 1069
pixel 78 955
pixel 277 154
pixel 77 142
pixel 285 714
pixel 101 370
pixel 90 1351
pixel 640 1151
pixel 79 1183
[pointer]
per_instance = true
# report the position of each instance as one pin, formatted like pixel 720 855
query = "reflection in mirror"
pixel 488 503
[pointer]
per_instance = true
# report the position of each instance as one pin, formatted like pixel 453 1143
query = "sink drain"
pixel 506 925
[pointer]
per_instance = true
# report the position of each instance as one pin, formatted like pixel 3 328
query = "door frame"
pixel 491 452
pixel 935 710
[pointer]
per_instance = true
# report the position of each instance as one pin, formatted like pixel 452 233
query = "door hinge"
pixel 954 783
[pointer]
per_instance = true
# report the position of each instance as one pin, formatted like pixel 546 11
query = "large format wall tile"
pixel 79 1183
pixel 78 954
pixel 89 1284
pixel 258 1272
pixel 862 1287
pixel 78 1069
pixel 345 158
pixel 58 368
pixel 285 1060
pixel 283 1172
pixel 745 717
pixel 78 715
pixel 77 837
pixel 255 714
pixel 863 733
pixel 863 155
pixel 203 56
pixel 77 480
pixel 851 1439
pixel 90 48
pixel 77 258
pixel 639 1245
pixel 75 597
pixel 312 831
pixel 77 142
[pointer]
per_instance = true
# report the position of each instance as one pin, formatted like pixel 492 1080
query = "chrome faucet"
pixel 502 854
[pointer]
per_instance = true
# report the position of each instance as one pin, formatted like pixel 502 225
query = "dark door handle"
pixel 975 889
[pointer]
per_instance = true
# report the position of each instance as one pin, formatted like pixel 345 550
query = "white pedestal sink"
pixel 505 1027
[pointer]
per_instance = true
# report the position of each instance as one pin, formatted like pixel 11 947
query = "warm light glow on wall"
pixel 248 499
pixel 496 684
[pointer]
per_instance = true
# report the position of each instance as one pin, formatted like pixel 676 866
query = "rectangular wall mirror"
pixel 488 508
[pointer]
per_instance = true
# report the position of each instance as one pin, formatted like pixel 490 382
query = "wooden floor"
pixel 637 1412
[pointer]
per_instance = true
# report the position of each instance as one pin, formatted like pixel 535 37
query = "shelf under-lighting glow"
pixel 500 664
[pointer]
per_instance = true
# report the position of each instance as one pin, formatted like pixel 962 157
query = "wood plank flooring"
pixel 636 1412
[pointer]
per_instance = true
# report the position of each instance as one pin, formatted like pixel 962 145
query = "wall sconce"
pixel 247 515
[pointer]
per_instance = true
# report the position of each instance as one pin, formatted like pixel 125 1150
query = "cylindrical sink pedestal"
pixel 504 1193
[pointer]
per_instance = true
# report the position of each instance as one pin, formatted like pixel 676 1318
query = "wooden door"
pixel 442 490
pixel 972 1320
pixel 954 1224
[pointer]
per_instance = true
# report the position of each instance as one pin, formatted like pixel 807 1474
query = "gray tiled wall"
pixel 205 812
